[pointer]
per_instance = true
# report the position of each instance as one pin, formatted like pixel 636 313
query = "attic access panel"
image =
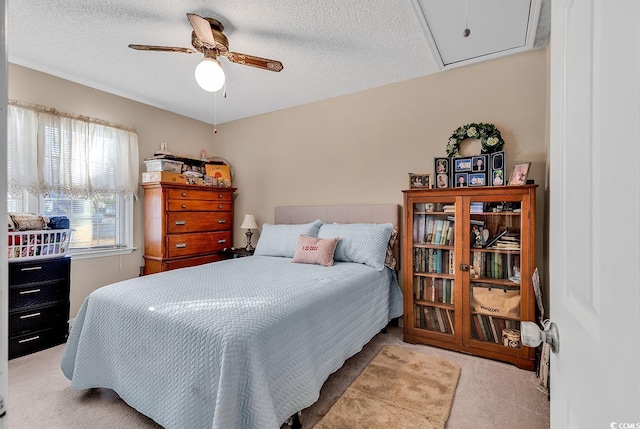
pixel 498 27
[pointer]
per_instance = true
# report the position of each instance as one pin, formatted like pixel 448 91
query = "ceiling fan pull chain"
pixel 466 31
pixel 215 112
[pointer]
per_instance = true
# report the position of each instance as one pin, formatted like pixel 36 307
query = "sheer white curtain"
pixel 49 153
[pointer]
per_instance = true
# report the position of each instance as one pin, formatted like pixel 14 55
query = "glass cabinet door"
pixel 434 266
pixel 495 267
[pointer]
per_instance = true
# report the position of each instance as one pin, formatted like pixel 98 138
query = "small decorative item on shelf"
pixel 419 181
pixel 249 223
pixel 519 175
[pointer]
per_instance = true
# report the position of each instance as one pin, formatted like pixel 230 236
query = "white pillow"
pixel 364 243
pixel 281 240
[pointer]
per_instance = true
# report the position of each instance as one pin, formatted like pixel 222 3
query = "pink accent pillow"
pixel 317 251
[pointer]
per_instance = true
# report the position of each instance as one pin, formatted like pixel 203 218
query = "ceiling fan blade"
pixel 202 28
pixel 250 60
pixel 162 48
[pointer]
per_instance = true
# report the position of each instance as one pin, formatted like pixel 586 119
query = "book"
pixel 451 319
pixel 495 238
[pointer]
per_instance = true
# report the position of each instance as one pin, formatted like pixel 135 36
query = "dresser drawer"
pixel 197 205
pixel 38 271
pixel 188 194
pixel 195 222
pixel 39 318
pixel 30 295
pixel 193 244
pixel 21 345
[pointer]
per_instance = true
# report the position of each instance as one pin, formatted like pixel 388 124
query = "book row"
pixel 433 260
pixel 495 265
pixel 431 230
pixel 433 289
pixel 489 328
pixel 435 319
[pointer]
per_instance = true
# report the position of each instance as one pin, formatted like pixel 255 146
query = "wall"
pixel 359 148
pixel 356 148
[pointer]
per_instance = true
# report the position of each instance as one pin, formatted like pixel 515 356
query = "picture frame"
pixel 419 181
pixel 477 179
pixel 442 181
pixel 462 164
pixel 519 174
pixel 479 163
pixel 497 169
pixel 441 165
pixel 462 180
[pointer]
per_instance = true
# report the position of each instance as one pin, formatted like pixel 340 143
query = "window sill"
pixel 99 253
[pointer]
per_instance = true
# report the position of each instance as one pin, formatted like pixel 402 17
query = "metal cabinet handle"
pixel 222 241
pixel 181 222
pixel 181 245
pixel 222 221
pixel 26 340
pixel 31 268
pixel 26 316
pixel 25 292
pixel 184 194
pixel 464 267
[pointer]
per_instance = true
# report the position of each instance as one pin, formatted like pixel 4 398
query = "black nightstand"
pixel 236 252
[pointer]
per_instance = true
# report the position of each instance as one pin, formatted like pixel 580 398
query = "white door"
pixel 594 238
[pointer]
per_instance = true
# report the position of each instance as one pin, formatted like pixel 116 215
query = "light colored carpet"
pixel 399 388
pixel 490 394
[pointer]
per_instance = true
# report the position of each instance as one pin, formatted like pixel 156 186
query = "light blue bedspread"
pixel 242 343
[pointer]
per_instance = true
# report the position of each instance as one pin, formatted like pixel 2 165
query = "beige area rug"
pixel 400 388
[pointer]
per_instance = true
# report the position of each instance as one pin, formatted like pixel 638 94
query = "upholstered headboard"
pixel 356 213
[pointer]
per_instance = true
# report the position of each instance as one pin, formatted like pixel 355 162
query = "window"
pixel 86 171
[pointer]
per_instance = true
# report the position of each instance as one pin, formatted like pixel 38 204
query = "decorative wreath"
pixel 488 134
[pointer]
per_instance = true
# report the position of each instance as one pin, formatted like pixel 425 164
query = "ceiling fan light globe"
pixel 209 75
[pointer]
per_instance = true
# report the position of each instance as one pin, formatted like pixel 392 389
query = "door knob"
pixel 532 335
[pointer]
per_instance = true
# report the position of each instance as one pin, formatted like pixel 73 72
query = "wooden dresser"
pixel 185 225
pixel 38 305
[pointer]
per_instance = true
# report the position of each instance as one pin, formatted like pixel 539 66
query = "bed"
pixel 242 343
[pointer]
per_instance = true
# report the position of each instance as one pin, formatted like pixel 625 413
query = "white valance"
pixel 57 153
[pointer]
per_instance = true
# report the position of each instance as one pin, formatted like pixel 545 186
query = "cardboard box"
pixel 163 177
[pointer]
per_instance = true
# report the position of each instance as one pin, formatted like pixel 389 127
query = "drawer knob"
pixel 222 221
pixel 181 222
pixel 181 245
pixel 27 316
pixel 222 241
pixel 220 196
pixel 220 206
pixel 184 194
pixel 184 206
pixel 31 268
pixel 25 292
pixel 26 340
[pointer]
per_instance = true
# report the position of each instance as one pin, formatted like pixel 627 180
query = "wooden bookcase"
pixel 441 270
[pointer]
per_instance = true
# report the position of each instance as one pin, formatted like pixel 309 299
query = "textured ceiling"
pixel 328 47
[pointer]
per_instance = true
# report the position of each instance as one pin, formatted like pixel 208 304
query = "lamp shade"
pixel 249 222
pixel 209 75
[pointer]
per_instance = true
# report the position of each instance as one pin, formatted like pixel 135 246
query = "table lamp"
pixel 249 223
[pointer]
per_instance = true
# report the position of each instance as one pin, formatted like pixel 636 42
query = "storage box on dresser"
pixel 441 271
pixel 185 225
pixel 38 304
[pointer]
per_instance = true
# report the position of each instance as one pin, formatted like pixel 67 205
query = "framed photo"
pixel 477 179
pixel 462 180
pixel 462 164
pixel 441 165
pixel 479 163
pixel 497 169
pixel 419 181
pixel 442 180
pixel 519 175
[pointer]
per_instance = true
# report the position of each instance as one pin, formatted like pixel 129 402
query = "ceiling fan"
pixel 207 38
